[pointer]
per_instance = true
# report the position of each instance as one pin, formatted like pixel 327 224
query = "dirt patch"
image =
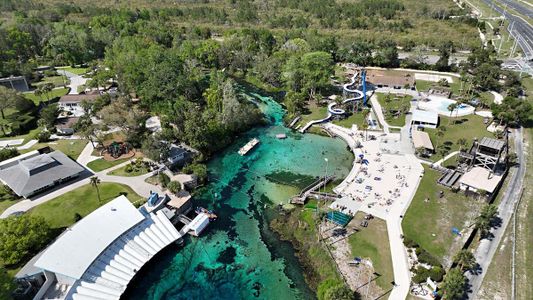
pixel 357 277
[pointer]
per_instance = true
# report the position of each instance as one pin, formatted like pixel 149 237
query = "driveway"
pixel 75 81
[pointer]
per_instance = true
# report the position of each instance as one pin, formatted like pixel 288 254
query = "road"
pixel 519 28
pixel 486 249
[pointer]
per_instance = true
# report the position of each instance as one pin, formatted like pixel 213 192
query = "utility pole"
pixel 510 31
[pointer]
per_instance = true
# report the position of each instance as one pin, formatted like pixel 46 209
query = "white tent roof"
pixel 425 116
pixel 421 139
pixel 75 250
pixel 478 178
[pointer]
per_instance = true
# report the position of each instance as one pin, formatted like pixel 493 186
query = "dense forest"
pixel 170 53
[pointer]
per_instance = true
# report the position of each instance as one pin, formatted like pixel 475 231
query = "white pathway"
pixel 401 175
pixel 75 81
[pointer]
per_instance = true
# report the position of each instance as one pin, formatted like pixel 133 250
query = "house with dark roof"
pixel 35 172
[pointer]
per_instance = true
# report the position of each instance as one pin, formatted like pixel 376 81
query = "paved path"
pixel 486 249
pixel 439 162
pixel 393 217
pixel 86 155
pixel 75 81
pixel 28 145
pixel 376 107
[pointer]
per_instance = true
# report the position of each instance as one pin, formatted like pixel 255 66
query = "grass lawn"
pixel 72 148
pixel 4 204
pixel 102 164
pixel 60 211
pixel 397 102
pixel 135 171
pixel 424 85
pixel 468 127
pixel 53 94
pixel 372 243
pixel 77 71
pixel 26 137
pixel 314 112
pixel 357 118
pixel 430 223
pixel 57 81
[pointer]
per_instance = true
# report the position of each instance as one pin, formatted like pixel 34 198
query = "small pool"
pixel 440 106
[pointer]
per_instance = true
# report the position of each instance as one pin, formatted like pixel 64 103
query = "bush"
pixel 409 243
pixel 128 169
pixel 427 258
pixel 163 179
pixel 43 136
pixel 174 187
pixel 421 274
pixel 7 153
pixel 198 169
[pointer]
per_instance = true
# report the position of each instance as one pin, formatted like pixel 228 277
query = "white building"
pixel 97 257
pixel 426 119
pixel 72 103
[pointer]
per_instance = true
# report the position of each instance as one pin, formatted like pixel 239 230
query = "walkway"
pixel 75 81
pixel 86 156
pixel 439 162
pixel 387 167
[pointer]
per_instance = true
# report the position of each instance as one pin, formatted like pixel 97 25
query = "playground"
pixel 117 151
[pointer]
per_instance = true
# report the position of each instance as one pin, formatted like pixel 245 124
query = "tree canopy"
pixel 22 236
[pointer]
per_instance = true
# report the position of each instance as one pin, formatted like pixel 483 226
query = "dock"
pixel 249 146
pixel 306 192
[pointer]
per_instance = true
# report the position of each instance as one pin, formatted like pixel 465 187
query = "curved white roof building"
pixel 98 256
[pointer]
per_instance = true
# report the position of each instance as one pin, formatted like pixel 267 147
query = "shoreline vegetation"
pixel 299 227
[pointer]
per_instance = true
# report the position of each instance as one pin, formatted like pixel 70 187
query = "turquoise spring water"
pixel 238 257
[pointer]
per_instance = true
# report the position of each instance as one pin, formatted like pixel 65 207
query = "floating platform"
pixel 281 136
pixel 249 146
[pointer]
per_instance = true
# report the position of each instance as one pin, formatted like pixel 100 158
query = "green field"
pixel 313 112
pixel 468 127
pixel 60 211
pixel 72 148
pixel 423 85
pixel 135 171
pixel 53 94
pixel 357 118
pixel 102 164
pixel 57 81
pixel 396 102
pixel 4 204
pixel 430 223
pixel 372 243
pixel 26 137
pixel 77 71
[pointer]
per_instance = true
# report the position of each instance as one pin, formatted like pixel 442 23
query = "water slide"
pixel 349 88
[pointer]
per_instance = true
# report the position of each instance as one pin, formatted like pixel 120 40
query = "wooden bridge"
pixel 317 184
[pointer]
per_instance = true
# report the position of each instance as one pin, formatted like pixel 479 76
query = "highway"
pixel 521 8
pixel 519 28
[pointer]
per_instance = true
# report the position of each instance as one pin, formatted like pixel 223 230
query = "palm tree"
pixel 484 221
pixel 462 143
pixel 465 260
pixel 95 181
pixel 453 106
pixel 440 133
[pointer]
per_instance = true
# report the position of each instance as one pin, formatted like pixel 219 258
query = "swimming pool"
pixel 440 106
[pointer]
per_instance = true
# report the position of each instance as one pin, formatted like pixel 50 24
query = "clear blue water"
pixel 238 257
pixel 444 103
